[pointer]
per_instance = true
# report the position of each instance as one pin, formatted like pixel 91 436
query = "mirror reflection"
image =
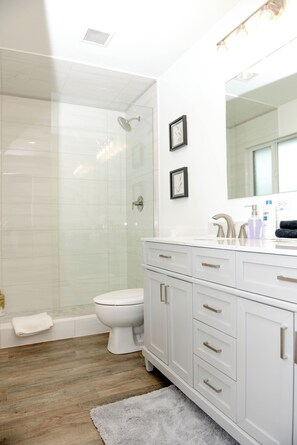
pixel 261 120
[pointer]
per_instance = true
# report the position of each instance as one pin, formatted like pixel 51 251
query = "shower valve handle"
pixel 138 203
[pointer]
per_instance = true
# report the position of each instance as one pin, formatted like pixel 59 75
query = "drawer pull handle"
pixel 205 343
pixel 282 278
pixel 161 292
pixel 168 257
pixel 214 266
pixel 166 296
pixel 213 309
pixel 218 390
pixel 283 355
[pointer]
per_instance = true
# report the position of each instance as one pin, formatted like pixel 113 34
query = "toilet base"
pixel 124 340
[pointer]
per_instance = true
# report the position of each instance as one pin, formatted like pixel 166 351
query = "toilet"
pixel 122 311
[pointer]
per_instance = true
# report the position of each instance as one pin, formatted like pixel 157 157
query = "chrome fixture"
pixel 125 123
pixel 230 224
pixel 220 233
pixel 138 203
pixel 272 9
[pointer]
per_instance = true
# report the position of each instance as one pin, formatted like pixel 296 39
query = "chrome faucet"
pixel 230 224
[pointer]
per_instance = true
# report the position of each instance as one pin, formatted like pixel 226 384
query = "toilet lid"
pixel 123 297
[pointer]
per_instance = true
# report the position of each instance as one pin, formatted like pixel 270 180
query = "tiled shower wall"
pixel 63 203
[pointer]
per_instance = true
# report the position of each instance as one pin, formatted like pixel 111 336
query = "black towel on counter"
pixel 288 224
pixel 286 233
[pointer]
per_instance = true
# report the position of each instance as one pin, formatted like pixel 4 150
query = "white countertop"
pixel 278 246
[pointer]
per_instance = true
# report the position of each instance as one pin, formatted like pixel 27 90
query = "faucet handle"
pixel 242 231
pixel 220 233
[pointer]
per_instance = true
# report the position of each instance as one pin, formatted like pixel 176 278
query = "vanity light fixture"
pixel 270 10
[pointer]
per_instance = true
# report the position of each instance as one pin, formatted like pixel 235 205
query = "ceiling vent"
pixel 98 37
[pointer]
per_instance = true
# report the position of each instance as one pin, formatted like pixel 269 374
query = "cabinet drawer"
pixel 271 275
pixel 214 265
pixel 215 387
pixel 215 348
pixel 215 308
pixel 169 256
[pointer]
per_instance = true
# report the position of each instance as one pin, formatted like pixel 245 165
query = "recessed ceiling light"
pixel 100 38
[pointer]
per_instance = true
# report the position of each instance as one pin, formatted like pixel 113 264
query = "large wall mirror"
pixel 261 116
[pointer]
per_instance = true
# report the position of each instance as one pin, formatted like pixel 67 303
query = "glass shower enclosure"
pixel 69 176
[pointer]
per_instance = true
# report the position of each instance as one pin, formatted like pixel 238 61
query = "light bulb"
pixel 222 47
pixel 241 31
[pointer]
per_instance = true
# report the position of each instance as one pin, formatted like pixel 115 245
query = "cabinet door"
pixel 155 315
pixel 265 372
pixel 179 304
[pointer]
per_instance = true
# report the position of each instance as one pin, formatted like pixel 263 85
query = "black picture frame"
pixel 179 183
pixel 178 135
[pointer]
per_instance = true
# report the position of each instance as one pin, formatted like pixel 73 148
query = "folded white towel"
pixel 32 324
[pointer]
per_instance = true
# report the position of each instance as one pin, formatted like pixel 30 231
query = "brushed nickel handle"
pixel 205 343
pixel 289 279
pixel 162 285
pixel 168 257
pixel 218 390
pixel 214 266
pixel 283 355
pixel 166 296
pixel 213 309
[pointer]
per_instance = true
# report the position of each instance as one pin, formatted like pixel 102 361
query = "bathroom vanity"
pixel 220 319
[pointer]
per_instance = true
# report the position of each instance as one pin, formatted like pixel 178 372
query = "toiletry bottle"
pixel 269 220
pixel 2 303
pixel 254 223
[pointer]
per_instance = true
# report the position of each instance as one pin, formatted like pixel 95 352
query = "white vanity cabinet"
pixel 168 314
pixel 265 367
pixel 220 324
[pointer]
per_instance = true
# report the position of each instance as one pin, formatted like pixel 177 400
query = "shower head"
pixel 125 123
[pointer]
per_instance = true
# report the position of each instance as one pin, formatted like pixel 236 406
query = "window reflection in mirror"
pixel 261 119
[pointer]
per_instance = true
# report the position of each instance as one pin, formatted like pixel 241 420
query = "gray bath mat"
pixel 163 417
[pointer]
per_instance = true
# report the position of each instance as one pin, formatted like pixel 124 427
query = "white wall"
pixel 194 86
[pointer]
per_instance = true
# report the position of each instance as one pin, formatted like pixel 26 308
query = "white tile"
pixel 29 270
pixel 81 166
pixel 75 191
pixel 21 110
pixel 29 162
pixel 74 242
pixel 82 217
pixel 27 189
pixel 30 243
pixel 29 217
pixel 79 117
pixel 31 296
pixel 77 292
pixel 83 267
pixel 78 141
pixel 26 137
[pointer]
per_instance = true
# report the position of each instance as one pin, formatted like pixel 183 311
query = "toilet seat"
pixel 126 297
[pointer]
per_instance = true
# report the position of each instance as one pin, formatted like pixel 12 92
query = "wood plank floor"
pixel 48 389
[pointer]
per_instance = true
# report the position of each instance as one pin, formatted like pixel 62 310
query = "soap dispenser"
pixel 254 223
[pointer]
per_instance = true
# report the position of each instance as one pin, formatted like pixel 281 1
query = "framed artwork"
pixel 179 183
pixel 178 133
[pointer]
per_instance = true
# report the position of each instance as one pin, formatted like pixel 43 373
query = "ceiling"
pixel 148 37
pixel 43 56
